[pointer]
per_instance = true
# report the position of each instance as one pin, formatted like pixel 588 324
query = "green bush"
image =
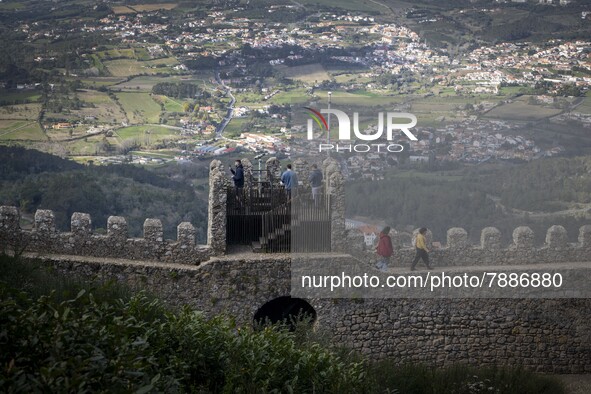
pixel 84 345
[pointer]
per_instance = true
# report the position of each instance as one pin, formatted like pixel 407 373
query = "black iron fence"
pixel 245 209
pixel 262 216
pixel 310 223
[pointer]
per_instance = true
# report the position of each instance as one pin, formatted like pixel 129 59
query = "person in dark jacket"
pixel 315 180
pixel 384 249
pixel 238 178
pixel 290 181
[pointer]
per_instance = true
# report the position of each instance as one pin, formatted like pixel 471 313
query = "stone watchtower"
pixel 264 218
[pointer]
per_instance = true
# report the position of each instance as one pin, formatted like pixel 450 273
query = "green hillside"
pixel 30 180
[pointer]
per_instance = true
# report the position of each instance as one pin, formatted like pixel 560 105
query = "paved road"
pixel 230 112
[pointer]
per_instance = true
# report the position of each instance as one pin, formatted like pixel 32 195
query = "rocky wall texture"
pixel 540 334
pixel 217 208
pixel 80 241
pixel 459 252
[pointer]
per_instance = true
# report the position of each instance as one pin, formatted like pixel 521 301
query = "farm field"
pixel 309 73
pixel 250 99
pixel 11 6
pixel 170 104
pixel 139 107
pixel 360 98
pixel 435 106
pixel 162 154
pixel 352 78
pixel 585 107
pixel 59 135
pixel 154 7
pixel 100 107
pixel 19 96
pixel 130 67
pixel 21 111
pixel 292 96
pixel 521 110
pixel 353 5
pixel 147 135
pixel 234 128
pixel 127 53
pixel 121 9
pixel 95 83
pixel 86 147
pixel 24 130
pixel 145 82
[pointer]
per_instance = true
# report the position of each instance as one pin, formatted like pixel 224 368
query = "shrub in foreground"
pixel 84 345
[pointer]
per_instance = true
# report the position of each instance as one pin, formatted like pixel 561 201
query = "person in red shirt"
pixel 384 249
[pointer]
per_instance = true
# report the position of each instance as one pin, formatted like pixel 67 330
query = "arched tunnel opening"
pixel 287 310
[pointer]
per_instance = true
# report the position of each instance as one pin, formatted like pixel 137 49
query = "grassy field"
pixel 98 107
pixel 147 135
pixel 234 128
pixel 127 53
pixel 163 154
pixel 60 135
pixel 84 147
pixel 353 99
pixel 360 98
pixel 137 53
pixel 21 111
pixel 250 99
pixel 146 82
pixel 130 67
pixel 170 104
pixel 101 107
pixel 308 73
pixel 9 96
pixel 510 90
pixel 94 83
pixel 121 9
pixel 139 107
pixel 154 7
pixel 21 130
pixel 353 5
pixel 585 107
pixel 521 110
pixel 430 111
pixel 352 78
pixel 11 6
pixel 430 106
pixel 292 96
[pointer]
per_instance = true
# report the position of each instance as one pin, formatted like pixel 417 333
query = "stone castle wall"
pixel 80 241
pixel 547 335
pixel 490 251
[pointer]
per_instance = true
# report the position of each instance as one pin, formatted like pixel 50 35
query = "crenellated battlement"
pixel 458 251
pixel 44 238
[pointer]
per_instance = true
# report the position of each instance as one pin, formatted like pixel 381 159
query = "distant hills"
pixel 34 180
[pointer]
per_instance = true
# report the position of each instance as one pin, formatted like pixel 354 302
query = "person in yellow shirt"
pixel 422 252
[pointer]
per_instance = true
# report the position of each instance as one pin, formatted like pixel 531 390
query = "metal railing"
pixel 262 216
